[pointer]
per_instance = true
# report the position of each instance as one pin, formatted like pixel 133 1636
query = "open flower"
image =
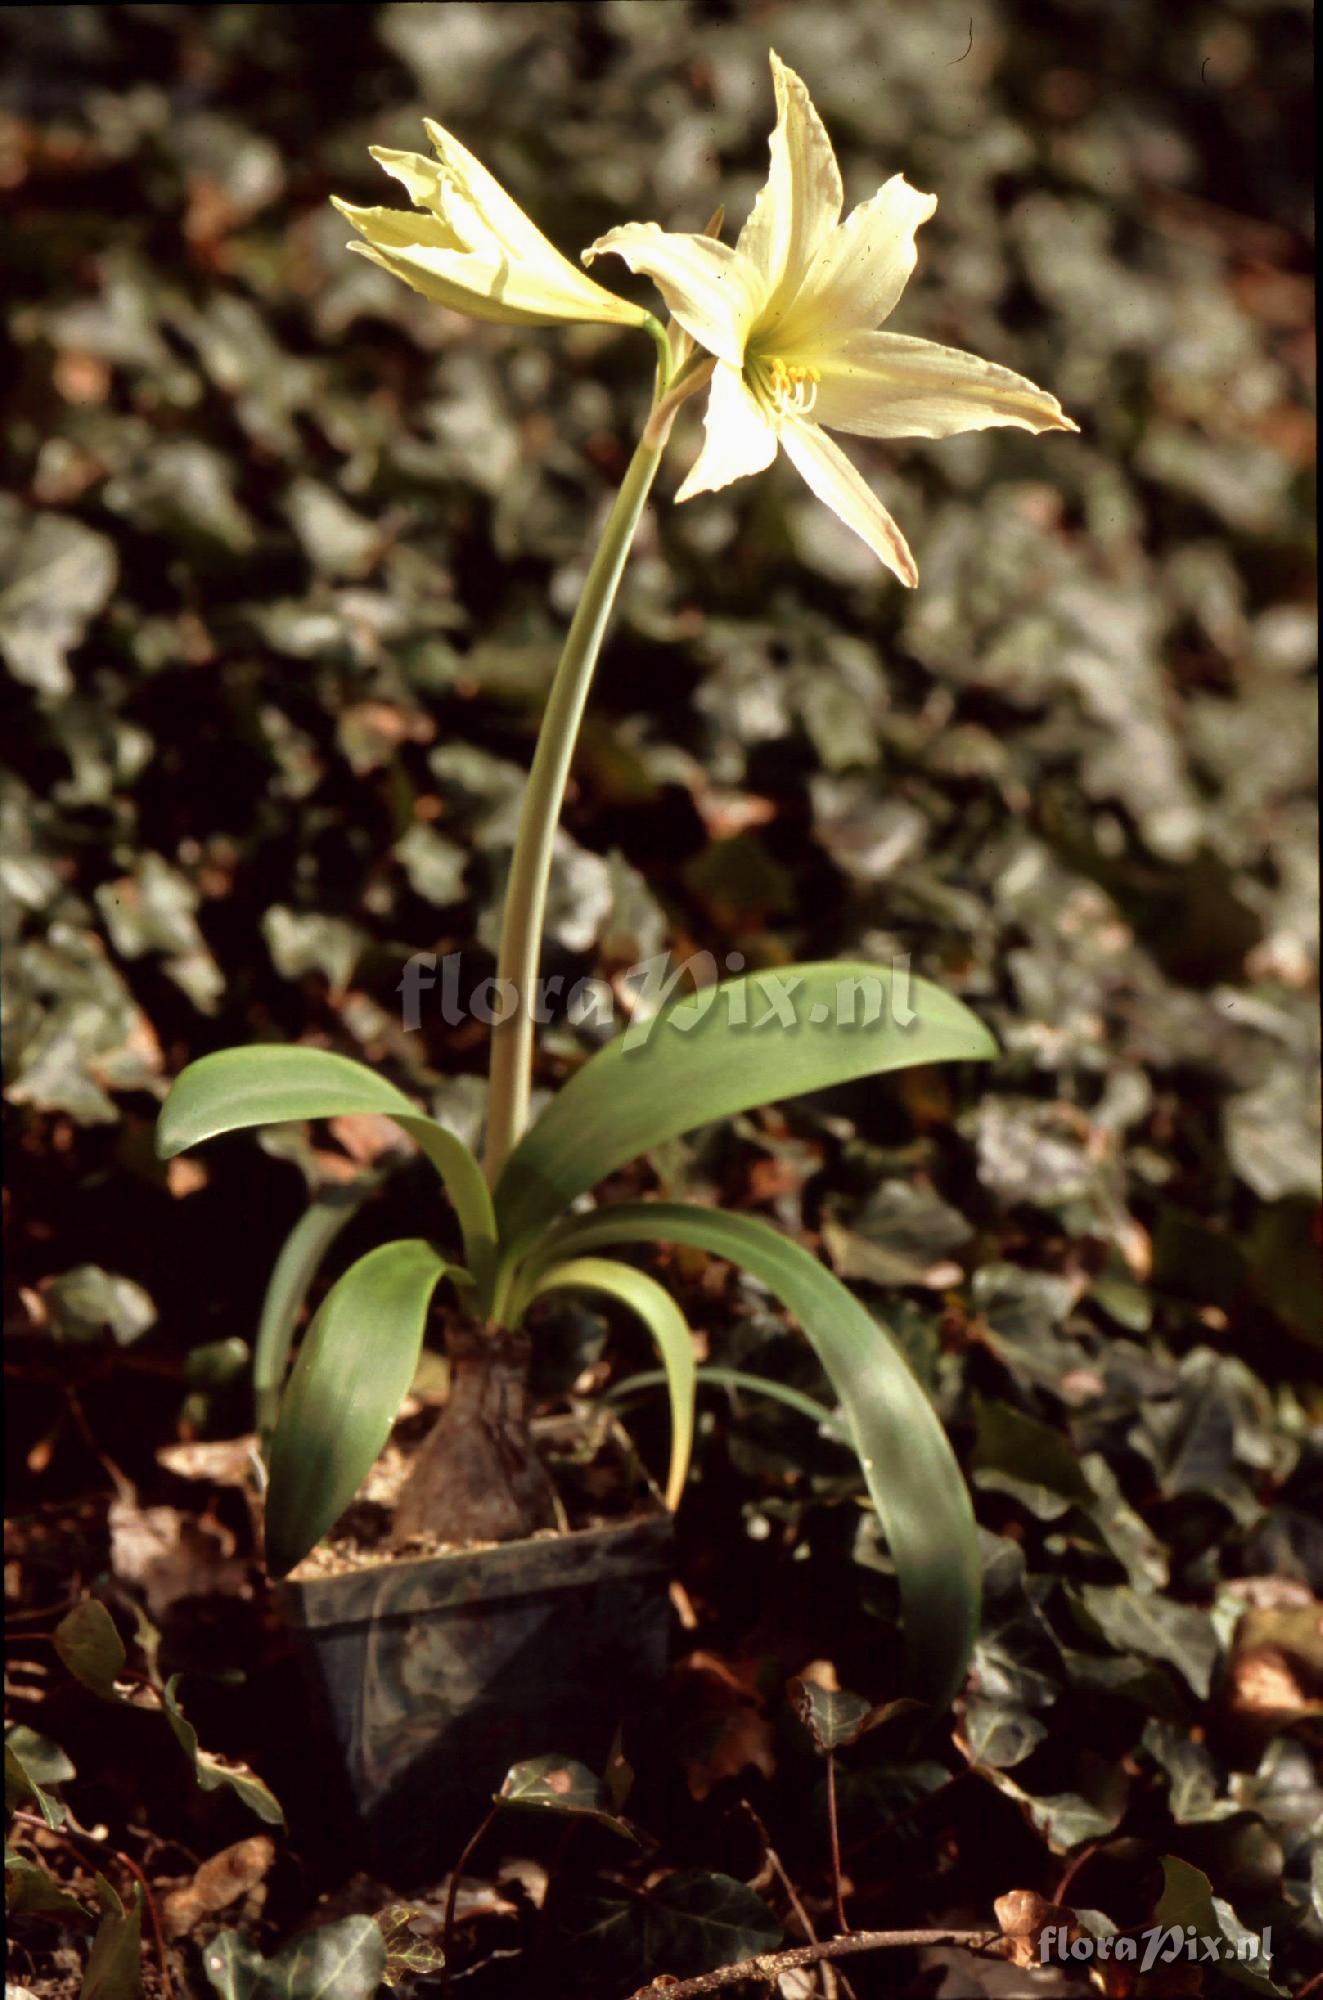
pixel 789 314
pixel 471 247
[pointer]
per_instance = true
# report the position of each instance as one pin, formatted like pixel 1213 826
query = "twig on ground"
pixel 770 1965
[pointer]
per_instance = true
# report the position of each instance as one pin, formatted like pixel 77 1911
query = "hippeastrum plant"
pixel 782 326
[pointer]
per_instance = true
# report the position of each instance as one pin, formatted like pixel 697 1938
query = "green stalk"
pixel 530 867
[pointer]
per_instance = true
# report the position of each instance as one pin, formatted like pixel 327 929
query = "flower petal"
pixel 801 202
pixel 482 285
pixel 398 228
pixel 466 179
pixel 891 385
pixel 839 486
pixel 423 180
pixel 714 292
pixel 739 438
pixel 859 272
pixel 473 202
pixel 454 252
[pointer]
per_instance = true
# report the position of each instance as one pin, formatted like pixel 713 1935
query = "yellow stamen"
pixel 791 387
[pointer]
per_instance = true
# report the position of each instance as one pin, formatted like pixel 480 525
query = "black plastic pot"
pixel 436 1674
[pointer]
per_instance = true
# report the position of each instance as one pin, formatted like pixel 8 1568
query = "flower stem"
pixel 530 867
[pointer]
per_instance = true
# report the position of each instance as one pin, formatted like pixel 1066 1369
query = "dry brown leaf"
pixel 726 814
pixel 220 1881
pixel 724 1726
pixel 1264 1683
pixel 368 1136
pixel 168 1555
pixel 1024 1916
pixel 218 1461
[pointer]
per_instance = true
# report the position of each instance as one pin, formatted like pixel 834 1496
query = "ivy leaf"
pixel 1067 1819
pixel 835 1718
pixel 1000 1733
pixel 1155 1627
pixel 1192 1774
pixel 1016 1454
pixel 235 1970
pixel 559 1784
pixel 407 1956
pixel 341 1961
pixel 86 1303
pixel 689 1923
pixel 55 575
pixel 1187 1899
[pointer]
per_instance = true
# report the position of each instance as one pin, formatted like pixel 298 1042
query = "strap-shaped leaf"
pixel 909 1467
pixel 739 1379
pixel 668 1327
pixel 748 1041
pixel 239 1088
pixel 353 1372
pixel 292 1274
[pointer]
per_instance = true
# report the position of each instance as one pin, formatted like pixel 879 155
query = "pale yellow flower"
pixel 470 246
pixel 789 314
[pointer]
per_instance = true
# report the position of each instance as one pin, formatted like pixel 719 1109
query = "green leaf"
pixel 408 1956
pixel 114 1967
pixel 668 1327
pixel 746 1042
pixel 91 1648
pixel 1016 1454
pixel 216 1364
pixel 689 1923
pixel 1156 1627
pixel 86 1303
pixel 341 1961
pixel 32 1763
pixel 31 1892
pixel 295 1268
pixel 55 575
pixel 754 1385
pixel 999 1733
pixel 559 1784
pixel 908 1465
pixel 834 1717
pixel 211 1775
pixel 235 1969
pixel 1187 1899
pixel 700 1921
pixel 1193 1778
pixel 352 1374
pixel 236 1089
pixel 1068 1819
